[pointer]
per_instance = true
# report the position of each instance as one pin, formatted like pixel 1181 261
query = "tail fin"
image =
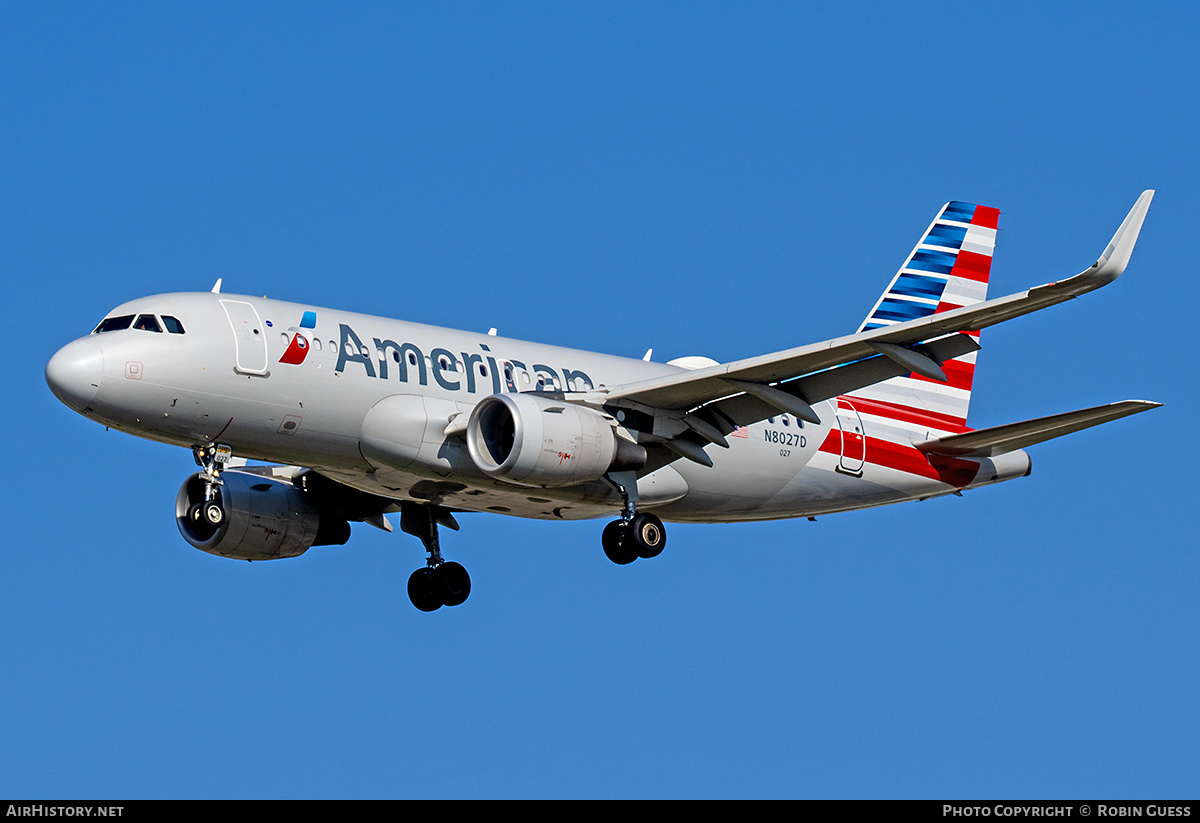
pixel 948 269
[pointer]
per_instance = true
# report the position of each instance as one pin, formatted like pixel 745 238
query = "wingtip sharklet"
pixel 1116 255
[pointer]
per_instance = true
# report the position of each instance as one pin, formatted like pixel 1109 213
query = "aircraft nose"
pixel 74 373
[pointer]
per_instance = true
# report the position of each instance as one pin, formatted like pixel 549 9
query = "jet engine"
pixel 256 518
pixel 537 441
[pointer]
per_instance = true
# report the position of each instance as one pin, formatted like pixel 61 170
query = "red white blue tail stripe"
pixel 946 270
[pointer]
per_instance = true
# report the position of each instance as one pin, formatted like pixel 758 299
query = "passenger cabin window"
pixel 147 322
pixel 114 323
pixel 173 325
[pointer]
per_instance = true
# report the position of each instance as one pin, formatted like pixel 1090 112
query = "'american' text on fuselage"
pixel 443 365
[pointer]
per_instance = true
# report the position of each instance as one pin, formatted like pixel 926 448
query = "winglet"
pixel 1116 257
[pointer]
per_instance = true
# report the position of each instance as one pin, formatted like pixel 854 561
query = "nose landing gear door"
pixel 250 337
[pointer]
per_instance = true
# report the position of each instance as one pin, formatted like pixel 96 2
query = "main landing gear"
pixel 439 583
pixel 208 515
pixel 643 536
pixel 635 534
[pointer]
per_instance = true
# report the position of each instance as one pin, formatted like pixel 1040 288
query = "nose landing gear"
pixel 208 515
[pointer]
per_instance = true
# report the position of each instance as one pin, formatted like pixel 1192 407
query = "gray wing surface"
pixel 745 391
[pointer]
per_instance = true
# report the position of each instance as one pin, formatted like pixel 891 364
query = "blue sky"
pixel 723 180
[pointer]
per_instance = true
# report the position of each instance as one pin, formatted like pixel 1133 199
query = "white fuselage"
pixel 238 375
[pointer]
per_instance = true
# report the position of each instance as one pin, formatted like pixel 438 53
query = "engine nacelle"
pixel 536 441
pixel 264 518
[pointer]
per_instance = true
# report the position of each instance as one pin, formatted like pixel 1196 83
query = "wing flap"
pixel 1012 436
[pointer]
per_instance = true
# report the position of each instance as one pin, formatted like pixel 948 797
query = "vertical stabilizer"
pixel 947 269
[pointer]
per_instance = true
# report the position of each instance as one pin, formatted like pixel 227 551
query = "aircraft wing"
pixel 746 391
pixel 1012 436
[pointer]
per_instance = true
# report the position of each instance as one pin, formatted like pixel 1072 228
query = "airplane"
pixel 351 417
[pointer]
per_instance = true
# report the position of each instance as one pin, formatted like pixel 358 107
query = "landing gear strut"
pixel 636 534
pixel 439 583
pixel 209 514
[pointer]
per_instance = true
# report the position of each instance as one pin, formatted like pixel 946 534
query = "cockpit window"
pixel 147 322
pixel 173 325
pixel 114 323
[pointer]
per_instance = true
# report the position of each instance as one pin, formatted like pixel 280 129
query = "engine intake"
pixel 536 441
pixel 264 518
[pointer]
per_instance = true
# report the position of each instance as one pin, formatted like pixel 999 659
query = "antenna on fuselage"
pixel 216 289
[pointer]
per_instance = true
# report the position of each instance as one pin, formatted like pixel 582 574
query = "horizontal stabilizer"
pixel 1012 436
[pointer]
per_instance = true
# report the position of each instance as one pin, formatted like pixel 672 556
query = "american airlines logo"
pixel 298 348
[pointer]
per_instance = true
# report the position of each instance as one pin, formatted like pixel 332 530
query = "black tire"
pixel 197 524
pixel 214 515
pixel 647 537
pixel 451 583
pixel 616 543
pixel 420 591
